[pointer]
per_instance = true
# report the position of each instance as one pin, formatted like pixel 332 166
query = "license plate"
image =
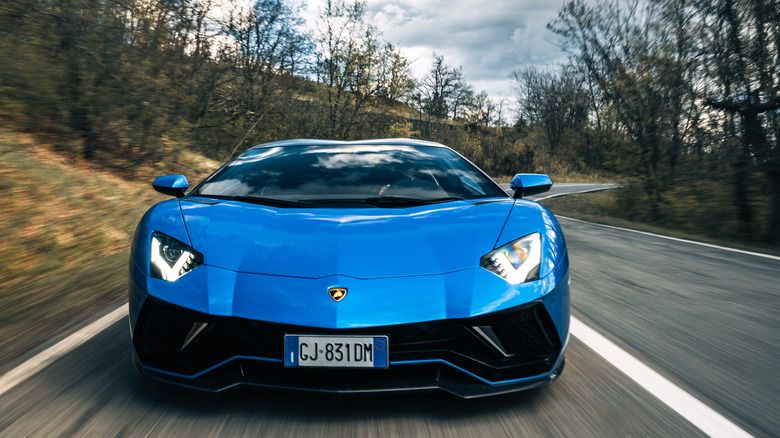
pixel 335 351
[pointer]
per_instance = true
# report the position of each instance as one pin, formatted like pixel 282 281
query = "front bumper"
pixel 214 353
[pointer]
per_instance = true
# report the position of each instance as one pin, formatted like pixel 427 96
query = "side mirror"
pixel 171 185
pixel 527 184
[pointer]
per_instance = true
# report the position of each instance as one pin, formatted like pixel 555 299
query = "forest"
pixel 677 100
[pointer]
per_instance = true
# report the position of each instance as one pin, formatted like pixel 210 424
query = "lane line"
pixel 590 190
pixel 597 189
pixel 65 346
pixel 688 406
pixel 676 239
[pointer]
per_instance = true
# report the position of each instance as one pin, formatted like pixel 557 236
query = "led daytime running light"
pixel 516 262
pixel 186 260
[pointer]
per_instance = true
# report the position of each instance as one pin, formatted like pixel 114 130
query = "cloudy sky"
pixel 488 38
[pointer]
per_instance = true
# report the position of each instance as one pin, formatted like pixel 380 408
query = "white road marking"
pixel 65 346
pixel 688 406
pixel 708 245
pixel 535 199
pixel 598 189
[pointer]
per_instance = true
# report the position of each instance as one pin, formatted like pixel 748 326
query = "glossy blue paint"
pixel 401 265
pixel 355 242
pixel 373 302
pixel 527 184
pixel 390 265
pixel 528 217
pixel 164 217
pixel 173 185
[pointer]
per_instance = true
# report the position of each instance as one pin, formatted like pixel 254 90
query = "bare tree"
pixel 354 66
pixel 624 51
pixel 395 74
pixel 742 66
pixel 481 110
pixel 443 91
pixel 555 100
pixel 264 46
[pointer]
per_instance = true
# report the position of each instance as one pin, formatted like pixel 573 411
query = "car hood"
pixel 361 243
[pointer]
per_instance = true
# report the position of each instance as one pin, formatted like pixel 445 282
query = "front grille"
pixel 527 333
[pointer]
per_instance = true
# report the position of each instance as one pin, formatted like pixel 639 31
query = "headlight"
pixel 171 259
pixel 517 261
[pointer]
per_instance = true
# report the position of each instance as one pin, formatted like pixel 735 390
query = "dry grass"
pixel 66 229
pixel 685 217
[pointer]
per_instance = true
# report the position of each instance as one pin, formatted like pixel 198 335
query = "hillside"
pixel 67 227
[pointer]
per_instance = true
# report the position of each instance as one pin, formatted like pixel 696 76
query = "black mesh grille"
pixel 527 333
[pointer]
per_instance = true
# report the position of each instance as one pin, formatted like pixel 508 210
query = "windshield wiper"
pixel 272 202
pixel 376 201
pixel 403 201
pixel 447 199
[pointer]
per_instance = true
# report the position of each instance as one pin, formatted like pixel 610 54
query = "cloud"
pixel 489 39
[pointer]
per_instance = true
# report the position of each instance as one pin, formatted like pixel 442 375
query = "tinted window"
pixel 336 173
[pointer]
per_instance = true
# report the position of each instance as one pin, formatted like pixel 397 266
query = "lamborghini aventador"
pixel 364 266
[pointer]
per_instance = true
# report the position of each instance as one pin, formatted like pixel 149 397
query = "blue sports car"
pixel 364 266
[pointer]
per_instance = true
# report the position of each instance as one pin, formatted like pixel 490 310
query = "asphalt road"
pixel 559 189
pixel 705 318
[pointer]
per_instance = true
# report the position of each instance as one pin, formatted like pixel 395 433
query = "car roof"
pixel 379 141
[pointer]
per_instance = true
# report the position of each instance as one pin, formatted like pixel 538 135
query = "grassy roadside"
pixel 604 208
pixel 66 230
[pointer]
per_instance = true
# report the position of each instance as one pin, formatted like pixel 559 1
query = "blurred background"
pixel 677 101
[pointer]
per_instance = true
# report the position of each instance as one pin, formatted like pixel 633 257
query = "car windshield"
pixel 325 175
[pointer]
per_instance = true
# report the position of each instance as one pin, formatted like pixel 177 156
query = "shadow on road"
pixel 312 406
